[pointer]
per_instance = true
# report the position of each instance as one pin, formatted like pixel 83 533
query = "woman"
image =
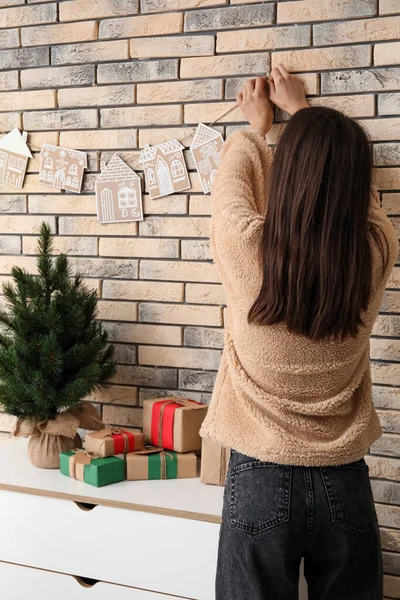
pixel 304 253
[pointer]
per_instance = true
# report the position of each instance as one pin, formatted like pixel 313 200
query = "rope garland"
pixel 36 149
pixel 193 129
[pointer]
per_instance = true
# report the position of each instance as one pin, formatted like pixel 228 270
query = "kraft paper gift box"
pixel 112 440
pixel 173 423
pixel 156 463
pixel 95 471
pixel 214 462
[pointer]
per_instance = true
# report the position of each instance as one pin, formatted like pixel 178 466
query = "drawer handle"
pixel 85 506
pixel 85 582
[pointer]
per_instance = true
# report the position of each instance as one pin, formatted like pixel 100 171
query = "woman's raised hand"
pixel 255 104
pixel 286 90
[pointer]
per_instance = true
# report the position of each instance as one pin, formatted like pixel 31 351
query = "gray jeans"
pixel 275 515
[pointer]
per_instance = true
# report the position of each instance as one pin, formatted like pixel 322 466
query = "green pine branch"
pixel 53 352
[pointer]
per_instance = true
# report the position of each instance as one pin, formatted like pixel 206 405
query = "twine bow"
pixel 77 463
pixel 111 430
pixel 163 457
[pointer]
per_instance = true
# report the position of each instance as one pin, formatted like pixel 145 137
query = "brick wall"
pixel 113 75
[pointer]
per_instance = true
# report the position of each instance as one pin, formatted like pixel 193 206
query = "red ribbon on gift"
pixel 124 442
pixel 162 420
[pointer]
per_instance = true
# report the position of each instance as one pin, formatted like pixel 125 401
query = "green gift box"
pixel 95 471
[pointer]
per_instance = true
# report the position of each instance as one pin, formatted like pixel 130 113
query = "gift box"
pixel 214 462
pixel 156 463
pixel 97 471
pixel 112 440
pixel 173 423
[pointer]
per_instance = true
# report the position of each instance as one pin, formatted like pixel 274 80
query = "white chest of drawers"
pixel 144 540
pixel 135 540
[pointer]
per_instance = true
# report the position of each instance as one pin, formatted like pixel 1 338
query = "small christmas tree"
pixel 53 353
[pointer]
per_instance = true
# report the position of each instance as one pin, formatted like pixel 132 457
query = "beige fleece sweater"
pixel 278 396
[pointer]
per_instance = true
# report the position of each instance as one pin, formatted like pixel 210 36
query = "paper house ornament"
pixel 165 168
pixel 14 154
pixel 62 168
pixel 206 148
pixel 118 193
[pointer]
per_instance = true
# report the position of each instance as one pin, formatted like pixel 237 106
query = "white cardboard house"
pixel 14 155
pixel 62 168
pixel 118 193
pixel 206 148
pixel 165 168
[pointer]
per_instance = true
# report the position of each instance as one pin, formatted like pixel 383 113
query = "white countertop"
pixel 186 498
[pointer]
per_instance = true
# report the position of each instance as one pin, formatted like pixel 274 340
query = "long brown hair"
pixel 315 249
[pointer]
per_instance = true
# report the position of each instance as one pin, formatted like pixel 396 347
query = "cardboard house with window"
pixel 14 155
pixel 62 168
pixel 118 193
pixel 206 149
pixel 165 168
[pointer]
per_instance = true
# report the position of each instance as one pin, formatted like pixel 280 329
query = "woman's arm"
pixel 239 199
pixel 389 243
pixel 239 202
pixel 239 196
pixel 240 185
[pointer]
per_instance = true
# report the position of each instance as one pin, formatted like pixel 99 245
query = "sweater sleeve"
pixel 390 243
pixel 239 203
